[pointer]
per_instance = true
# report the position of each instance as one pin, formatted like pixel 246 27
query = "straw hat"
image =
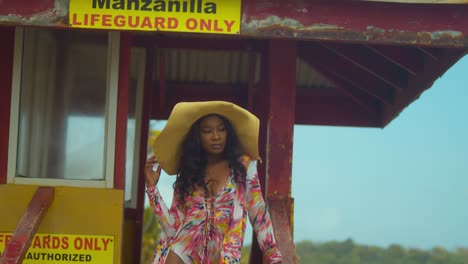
pixel 167 146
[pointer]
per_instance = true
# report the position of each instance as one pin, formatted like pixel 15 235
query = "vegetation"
pixel 151 234
pixel 333 252
pixel 348 252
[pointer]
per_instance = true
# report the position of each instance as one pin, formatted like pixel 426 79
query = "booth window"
pixel 62 112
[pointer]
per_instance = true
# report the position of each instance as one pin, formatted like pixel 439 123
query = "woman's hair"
pixel 193 160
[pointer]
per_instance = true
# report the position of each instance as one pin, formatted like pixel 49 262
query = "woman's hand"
pixel 152 176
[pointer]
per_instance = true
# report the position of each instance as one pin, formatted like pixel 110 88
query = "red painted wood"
pixel 162 81
pixel 407 58
pixel 261 109
pixel 25 8
pixel 18 245
pixel 177 92
pixel 357 21
pixel 122 111
pixel 146 116
pixel 282 100
pixel 198 43
pixel 330 107
pixel 352 92
pixel 281 211
pixel 367 60
pixel 335 107
pixel 130 213
pixel 7 36
pixel 432 53
pixel 251 82
pixel 418 84
pixel 281 117
pixel 322 58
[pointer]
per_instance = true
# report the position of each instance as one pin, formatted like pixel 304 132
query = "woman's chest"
pixel 220 206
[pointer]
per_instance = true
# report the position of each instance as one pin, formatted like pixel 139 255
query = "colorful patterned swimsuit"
pixel 212 230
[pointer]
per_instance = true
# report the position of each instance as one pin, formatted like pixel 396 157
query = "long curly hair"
pixel 193 160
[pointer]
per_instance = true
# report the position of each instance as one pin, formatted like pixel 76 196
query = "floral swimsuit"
pixel 211 230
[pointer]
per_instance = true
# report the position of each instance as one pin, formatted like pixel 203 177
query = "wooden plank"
pixel 146 116
pixel 357 22
pixel 422 1
pixel 328 107
pixel 418 84
pixel 261 109
pixel 407 58
pixel 7 43
pixel 314 106
pixel 322 58
pixel 281 214
pixel 18 245
pixel 197 43
pixel 280 131
pixel 122 111
pixel 370 62
pixel 189 92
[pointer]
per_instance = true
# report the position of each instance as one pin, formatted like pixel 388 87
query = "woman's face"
pixel 213 135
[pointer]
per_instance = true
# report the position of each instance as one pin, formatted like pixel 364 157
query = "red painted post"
pixel 122 111
pixel 146 116
pixel 276 105
pixel 261 109
pixel 280 130
pixel 7 36
pixel 18 245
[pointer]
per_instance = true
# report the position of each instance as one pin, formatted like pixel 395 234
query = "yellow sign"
pixel 195 16
pixel 59 249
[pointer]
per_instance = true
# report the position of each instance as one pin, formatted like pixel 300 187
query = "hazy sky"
pixel 405 184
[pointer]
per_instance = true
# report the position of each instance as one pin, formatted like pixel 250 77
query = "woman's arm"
pixel 259 216
pixel 169 219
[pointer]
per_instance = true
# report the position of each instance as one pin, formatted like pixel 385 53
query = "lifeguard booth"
pixel 80 80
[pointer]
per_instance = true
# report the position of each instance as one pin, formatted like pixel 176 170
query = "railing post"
pixel 17 246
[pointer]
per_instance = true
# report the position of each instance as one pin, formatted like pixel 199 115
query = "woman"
pixel 209 146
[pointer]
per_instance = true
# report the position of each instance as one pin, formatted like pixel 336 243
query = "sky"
pixel 405 184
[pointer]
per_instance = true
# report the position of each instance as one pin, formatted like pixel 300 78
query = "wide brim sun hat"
pixel 167 147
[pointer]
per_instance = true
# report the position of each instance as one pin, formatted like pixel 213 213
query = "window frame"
pixel 113 52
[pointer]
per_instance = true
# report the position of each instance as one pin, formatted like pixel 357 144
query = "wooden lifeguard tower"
pixel 80 80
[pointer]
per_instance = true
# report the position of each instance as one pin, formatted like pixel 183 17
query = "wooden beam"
pixel 420 83
pixel 357 22
pixel 197 43
pixel 261 109
pixel 353 93
pixel 314 106
pixel 251 82
pixel 146 116
pixel 432 53
pixel 370 62
pixel 18 245
pixel 7 44
pixel 162 87
pixel 189 92
pixel 280 131
pixel 405 57
pixel 330 107
pixel 324 59
pixel 422 1
pixel 346 21
pixel 122 111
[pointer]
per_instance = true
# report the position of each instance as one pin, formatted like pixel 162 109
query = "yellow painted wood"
pixel 83 211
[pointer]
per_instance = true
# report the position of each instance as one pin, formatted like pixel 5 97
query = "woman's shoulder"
pixel 245 160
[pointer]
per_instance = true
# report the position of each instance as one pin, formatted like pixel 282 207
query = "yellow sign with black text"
pixel 59 249
pixel 194 16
